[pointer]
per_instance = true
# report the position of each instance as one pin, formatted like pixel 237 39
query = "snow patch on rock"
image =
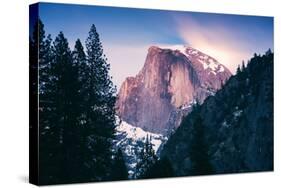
pixel 207 61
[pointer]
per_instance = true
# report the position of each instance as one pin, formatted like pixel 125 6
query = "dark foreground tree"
pixel 199 149
pixel 66 109
pixel 119 170
pixel 80 61
pixel 42 57
pixel 100 110
pixel 76 109
pixel 147 159
pixel 80 148
pixel 161 169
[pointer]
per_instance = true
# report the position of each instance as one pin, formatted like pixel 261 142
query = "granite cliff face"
pixel 171 78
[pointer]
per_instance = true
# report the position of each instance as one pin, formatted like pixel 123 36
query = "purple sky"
pixel 126 33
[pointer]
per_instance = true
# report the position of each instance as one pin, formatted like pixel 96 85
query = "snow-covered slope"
pixel 131 139
pixel 127 131
pixel 209 63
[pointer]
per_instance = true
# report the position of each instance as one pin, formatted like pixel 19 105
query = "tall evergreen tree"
pixel 42 56
pixel 80 61
pixel 42 43
pixel 66 103
pixel 100 104
pixel 146 160
pixel 41 46
pixel 81 150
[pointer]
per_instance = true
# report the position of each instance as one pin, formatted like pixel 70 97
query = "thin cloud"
pixel 216 41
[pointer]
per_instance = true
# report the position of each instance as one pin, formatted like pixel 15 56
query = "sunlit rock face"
pixel 170 78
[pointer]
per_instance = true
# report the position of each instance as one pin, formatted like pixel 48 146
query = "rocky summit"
pixel 172 78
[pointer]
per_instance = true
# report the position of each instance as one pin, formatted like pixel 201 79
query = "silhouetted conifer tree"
pixel 238 71
pixel 42 56
pixel 100 104
pixel 146 160
pixel 66 103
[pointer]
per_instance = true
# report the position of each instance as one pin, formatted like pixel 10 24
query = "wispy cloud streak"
pixel 228 47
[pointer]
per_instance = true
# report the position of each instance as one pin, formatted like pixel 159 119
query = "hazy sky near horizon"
pixel 127 33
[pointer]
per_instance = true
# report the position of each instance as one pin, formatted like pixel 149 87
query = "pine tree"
pixel 81 150
pixel 238 71
pixel 80 61
pixel 100 104
pixel 268 52
pixel 199 149
pixel 43 45
pixel 146 160
pixel 80 66
pixel 66 111
pixel 41 58
pixel 119 170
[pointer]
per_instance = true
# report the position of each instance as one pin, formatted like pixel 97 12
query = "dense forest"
pixel 76 110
